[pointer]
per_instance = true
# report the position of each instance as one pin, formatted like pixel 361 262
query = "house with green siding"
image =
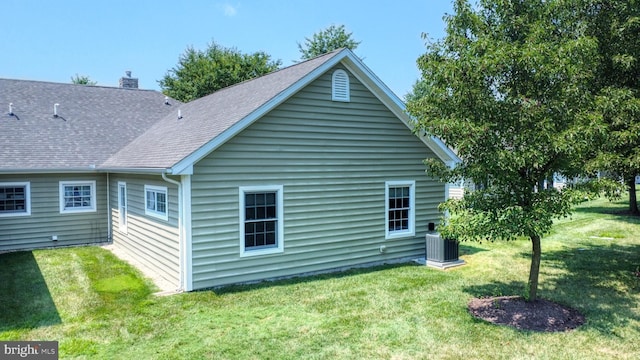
pixel 311 168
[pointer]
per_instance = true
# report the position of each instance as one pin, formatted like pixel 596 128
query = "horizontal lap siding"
pixel 333 160
pixel 36 230
pixel 151 241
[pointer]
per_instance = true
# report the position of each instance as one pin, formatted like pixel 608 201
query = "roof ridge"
pixel 329 54
pixel 72 84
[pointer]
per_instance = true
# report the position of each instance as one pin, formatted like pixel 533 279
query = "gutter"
pixel 141 171
pixel 50 171
pixel 85 170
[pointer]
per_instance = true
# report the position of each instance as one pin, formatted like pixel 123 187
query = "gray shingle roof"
pixel 113 129
pixel 172 139
pixel 94 123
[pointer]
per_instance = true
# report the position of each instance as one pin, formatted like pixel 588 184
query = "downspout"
pixel 109 238
pixel 181 239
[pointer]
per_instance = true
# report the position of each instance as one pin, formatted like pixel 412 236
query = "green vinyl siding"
pixel 45 221
pixel 332 159
pixel 149 240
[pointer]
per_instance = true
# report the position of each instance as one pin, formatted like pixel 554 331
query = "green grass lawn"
pixel 98 307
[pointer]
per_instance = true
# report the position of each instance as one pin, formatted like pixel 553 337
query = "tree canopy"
pixel 508 88
pixel 200 73
pixel 82 80
pixel 616 25
pixel 332 38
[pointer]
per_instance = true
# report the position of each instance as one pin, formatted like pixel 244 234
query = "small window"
pixel 77 196
pixel 340 86
pixel 15 199
pixel 155 199
pixel 122 206
pixel 261 226
pixel 400 209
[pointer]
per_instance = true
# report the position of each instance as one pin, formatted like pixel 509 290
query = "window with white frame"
pixel 15 199
pixel 155 200
pixel 400 208
pixel 261 224
pixel 340 86
pixel 122 206
pixel 77 196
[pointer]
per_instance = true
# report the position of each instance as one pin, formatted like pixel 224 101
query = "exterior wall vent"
pixel 340 86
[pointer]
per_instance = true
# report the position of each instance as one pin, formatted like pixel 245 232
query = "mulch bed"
pixel 514 311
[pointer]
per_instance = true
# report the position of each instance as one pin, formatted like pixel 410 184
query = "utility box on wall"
pixel 442 253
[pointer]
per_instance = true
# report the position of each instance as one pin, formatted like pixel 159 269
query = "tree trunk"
pixel 536 253
pixel 633 201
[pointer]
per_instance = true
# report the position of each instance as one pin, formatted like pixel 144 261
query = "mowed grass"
pixel 98 307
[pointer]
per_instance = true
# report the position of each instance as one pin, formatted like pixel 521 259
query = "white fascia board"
pixel 186 170
pixel 373 83
pixel 194 157
pixel 445 152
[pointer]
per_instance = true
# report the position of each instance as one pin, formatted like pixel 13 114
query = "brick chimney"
pixel 128 82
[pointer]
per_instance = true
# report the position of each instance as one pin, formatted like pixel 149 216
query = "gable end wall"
pixel 333 159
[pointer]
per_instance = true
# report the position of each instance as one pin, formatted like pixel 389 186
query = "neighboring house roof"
pixel 93 123
pixel 195 129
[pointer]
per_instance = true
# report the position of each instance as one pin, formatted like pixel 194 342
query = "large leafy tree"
pixel 200 73
pixel 616 26
pixel 332 38
pixel 508 89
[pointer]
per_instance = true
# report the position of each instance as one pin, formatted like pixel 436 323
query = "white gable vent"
pixel 340 86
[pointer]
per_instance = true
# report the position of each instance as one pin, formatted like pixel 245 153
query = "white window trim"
pixel 91 208
pixel 27 198
pixel 279 226
pixel 157 214
pixel 122 219
pixel 411 231
pixel 335 95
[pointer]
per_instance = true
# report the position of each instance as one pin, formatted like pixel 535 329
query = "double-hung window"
pixel 15 199
pixel 77 196
pixel 261 226
pixel 155 200
pixel 400 208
